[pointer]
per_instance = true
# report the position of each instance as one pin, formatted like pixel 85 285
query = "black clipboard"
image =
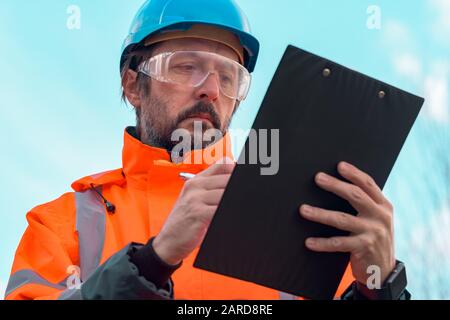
pixel 325 113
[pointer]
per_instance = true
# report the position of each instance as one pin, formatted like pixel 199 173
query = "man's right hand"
pixel 191 216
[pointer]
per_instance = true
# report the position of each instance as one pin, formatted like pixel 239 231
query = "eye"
pixel 226 79
pixel 184 68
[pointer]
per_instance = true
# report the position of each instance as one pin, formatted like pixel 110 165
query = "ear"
pixel 130 88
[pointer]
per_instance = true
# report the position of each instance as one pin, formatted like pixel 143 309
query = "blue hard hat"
pixel 156 16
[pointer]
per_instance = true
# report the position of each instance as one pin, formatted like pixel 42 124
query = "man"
pixel 133 233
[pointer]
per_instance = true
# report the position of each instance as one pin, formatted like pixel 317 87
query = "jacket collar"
pixel 140 162
pixel 140 159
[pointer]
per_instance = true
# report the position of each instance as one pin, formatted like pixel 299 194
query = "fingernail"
pixel 306 209
pixel 343 166
pixel 310 242
pixel 322 177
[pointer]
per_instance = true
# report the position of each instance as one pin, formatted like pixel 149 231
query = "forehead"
pixel 192 44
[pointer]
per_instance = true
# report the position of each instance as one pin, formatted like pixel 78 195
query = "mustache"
pixel 198 108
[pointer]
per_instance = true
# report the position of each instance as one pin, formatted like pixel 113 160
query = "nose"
pixel 209 89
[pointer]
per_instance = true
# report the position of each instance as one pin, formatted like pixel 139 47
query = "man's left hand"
pixel 371 239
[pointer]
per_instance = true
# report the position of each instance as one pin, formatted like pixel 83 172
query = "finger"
pixel 350 192
pixel 214 182
pixel 219 167
pixel 217 182
pixel 226 160
pixel 336 219
pixel 212 197
pixel 362 180
pixel 334 244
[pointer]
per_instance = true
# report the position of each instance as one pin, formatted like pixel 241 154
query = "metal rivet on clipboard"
pixel 326 72
pixel 381 94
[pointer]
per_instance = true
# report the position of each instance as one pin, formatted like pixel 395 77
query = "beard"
pixel 155 128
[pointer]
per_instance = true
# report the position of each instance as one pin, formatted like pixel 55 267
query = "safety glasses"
pixel 193 68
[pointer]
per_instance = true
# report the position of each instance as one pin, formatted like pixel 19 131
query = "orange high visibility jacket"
pixel 76 231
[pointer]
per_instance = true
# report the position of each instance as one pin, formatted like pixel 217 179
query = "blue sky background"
pixel 62 118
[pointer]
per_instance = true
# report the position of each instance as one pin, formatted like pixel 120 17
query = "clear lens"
pixel 192 68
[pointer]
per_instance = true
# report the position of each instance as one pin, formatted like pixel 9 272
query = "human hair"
pixel 131 61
